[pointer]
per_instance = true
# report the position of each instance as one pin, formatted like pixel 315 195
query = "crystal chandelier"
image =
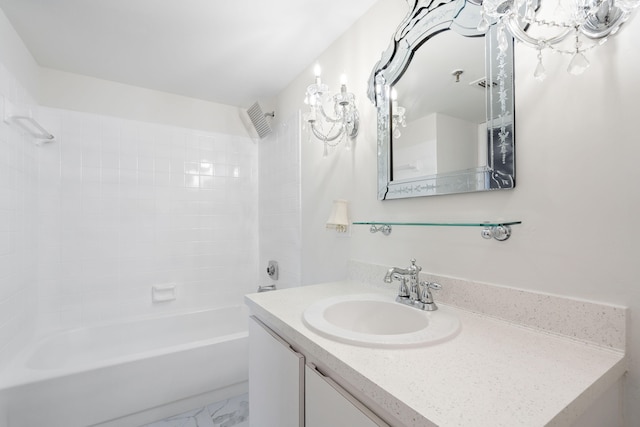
pixel 565 26
pixel 398 115
pixel 339 125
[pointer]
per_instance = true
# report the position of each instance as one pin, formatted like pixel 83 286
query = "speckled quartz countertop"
pixel 493 373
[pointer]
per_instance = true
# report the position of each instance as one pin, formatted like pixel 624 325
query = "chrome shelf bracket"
pixel 384 229
pixel 498 232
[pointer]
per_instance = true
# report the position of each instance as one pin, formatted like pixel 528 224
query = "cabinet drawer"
pixel 328 404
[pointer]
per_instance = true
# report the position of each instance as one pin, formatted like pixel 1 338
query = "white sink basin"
pixel 377 321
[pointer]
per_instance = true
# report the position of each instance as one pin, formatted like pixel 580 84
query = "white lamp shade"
pixel 339 217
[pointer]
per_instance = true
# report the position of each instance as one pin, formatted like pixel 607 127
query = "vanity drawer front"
pixel 328 404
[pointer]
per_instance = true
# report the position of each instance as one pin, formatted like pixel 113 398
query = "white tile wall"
pixel 90 222
pixel 18 203
pixel 280 205
pixel 124 205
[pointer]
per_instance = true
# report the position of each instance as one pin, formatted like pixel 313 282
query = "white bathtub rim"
pixel 17 373
pixel 156 316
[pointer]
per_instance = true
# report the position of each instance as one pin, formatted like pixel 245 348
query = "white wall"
pixel 577 174
pixel 342 173
pixel 87 94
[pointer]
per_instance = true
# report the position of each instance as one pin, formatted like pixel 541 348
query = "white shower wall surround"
pixel 279 202
pixel 125 205
pixel 18 240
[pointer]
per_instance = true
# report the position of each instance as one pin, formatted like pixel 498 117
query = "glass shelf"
pixel 441 224
pixel 499 230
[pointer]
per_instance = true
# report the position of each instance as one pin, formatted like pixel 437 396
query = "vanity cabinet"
pixel 285 393
pixel 509 377
pixel 276 379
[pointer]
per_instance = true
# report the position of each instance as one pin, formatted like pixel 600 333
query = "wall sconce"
pixel 339 217
pixel 570 27
pixel 342 123
pixel 397 115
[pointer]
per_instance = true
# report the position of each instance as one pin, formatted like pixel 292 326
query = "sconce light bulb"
pixel 317 71
pixel 394 94
pixel 343 79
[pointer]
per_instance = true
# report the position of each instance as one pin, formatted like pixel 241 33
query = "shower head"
pixel 259 120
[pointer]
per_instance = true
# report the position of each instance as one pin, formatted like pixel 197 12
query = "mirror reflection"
pixel 439 109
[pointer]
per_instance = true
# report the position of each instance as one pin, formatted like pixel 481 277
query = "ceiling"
pixel 232 52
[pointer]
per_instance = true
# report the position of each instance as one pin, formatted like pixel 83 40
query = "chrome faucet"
pixel 415 293
pixel 412 272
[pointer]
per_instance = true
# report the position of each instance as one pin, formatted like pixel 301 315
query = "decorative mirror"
pixel 444 96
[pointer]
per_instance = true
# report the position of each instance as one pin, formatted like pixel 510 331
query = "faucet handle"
pixel 432 285
pixel 425 291
pixel 403 290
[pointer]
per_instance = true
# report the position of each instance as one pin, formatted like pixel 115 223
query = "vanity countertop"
pixel 492 373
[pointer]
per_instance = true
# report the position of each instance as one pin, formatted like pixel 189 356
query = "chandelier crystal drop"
pixel 572 27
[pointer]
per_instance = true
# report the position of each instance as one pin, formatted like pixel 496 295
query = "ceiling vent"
pixel 482 83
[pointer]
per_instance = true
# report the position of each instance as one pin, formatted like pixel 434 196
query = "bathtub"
pixel 111 372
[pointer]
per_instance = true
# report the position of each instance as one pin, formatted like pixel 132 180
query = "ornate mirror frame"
pixel 426 19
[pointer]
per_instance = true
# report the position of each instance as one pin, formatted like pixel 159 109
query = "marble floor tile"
pixel 233 412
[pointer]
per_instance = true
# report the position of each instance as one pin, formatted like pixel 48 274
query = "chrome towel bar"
pixel 28 124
